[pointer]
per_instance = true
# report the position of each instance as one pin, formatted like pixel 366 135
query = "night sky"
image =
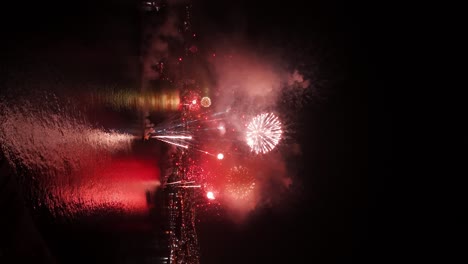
pixel 329 221
pixel 331 212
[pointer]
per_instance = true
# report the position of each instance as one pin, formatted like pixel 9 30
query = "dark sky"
pixel 332 217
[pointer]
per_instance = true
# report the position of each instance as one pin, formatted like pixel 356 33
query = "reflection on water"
pixel 74 167
pixel 73 173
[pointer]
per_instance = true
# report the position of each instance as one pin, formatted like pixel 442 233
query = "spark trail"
pixel 263 133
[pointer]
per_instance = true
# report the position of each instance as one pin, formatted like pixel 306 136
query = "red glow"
pixel 122 184
pixel 180 58
pixel 193 49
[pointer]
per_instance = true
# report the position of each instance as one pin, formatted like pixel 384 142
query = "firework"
pixel 220 156
pixel 174 137
pixel 206 101
pixel 210 195
pixel 175 143
pixel 263 133
pixel 240 183
pixel 176 140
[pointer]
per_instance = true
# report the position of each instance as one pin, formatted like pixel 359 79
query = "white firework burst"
pixel 263 133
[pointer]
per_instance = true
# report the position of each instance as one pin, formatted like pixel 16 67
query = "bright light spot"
pixel 194 101
pixel 263 133
pixel 220 156
pixel 210 195
pixel 221 128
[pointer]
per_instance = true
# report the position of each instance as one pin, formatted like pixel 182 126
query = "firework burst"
pixel 263 133
pixel 240 183
pixel 206 101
